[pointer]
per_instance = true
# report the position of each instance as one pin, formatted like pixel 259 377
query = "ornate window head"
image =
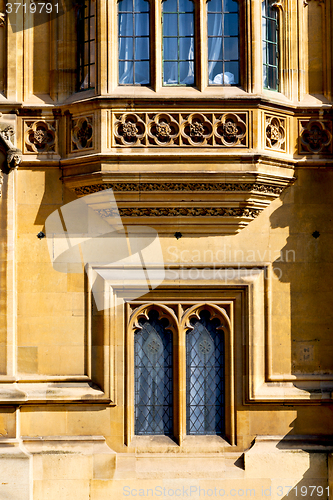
pixel 86 44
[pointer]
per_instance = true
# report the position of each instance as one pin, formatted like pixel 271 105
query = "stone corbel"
pixel 14 155
pixel 306 2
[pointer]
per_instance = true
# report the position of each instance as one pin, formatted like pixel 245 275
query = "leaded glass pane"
pixel 205 377
pixel 153 377
pixel 223 42
pixel 178 42
pixel 133 42
pixel 270 45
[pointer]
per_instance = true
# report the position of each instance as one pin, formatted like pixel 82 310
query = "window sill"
pixel 177 92
pixel 190 444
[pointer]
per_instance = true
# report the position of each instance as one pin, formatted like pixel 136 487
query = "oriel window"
pixel 86 36
pixel 134 42
pixel 270 45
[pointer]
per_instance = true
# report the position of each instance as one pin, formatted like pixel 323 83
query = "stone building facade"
pixel 210 158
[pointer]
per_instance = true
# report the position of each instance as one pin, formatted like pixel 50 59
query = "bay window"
pixel 181 31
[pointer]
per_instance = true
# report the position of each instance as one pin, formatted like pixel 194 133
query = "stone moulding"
pixel 186 129
pixel 180 212
pixel 224 204
pixel 179 186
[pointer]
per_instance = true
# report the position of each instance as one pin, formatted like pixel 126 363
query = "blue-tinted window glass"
pixel 133 42
pixel 178 42
pixel 86 37
pixel 270 45
pixel 153 376
pixel 205 377
pixel 223 42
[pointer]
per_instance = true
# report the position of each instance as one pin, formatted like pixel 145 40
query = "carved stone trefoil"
pixel 82 133
pixel 40 136
pixel 315 137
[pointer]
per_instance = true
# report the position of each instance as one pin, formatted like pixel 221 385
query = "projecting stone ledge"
pixel 209 203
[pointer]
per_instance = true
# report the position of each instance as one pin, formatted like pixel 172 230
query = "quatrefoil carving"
pixel 130 129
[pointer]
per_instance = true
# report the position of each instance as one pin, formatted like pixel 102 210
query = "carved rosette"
pixel 197 129
pixel 82 133
pixel 315 137
pixel 275 130
pixel 40 136
pixel 163 130
pixel 130 130
pixel 230 130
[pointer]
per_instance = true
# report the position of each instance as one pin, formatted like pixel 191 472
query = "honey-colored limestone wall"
pixel 51 338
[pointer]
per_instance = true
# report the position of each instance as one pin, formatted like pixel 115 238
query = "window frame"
pixel 201 55
pixel 151 40
pixel 264 39
pixel 82 41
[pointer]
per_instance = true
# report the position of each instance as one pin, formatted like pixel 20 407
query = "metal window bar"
pixel 270 46
pixel 179 37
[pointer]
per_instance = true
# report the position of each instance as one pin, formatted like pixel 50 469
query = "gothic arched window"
pixel 153 362
pixel 205 376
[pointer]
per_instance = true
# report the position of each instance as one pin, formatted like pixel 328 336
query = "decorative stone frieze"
pixel 180 212
pixel 82 133
pixel 40 136
pixel 315 136
pixel 275 131
pixel 179 186
pixel 181 129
